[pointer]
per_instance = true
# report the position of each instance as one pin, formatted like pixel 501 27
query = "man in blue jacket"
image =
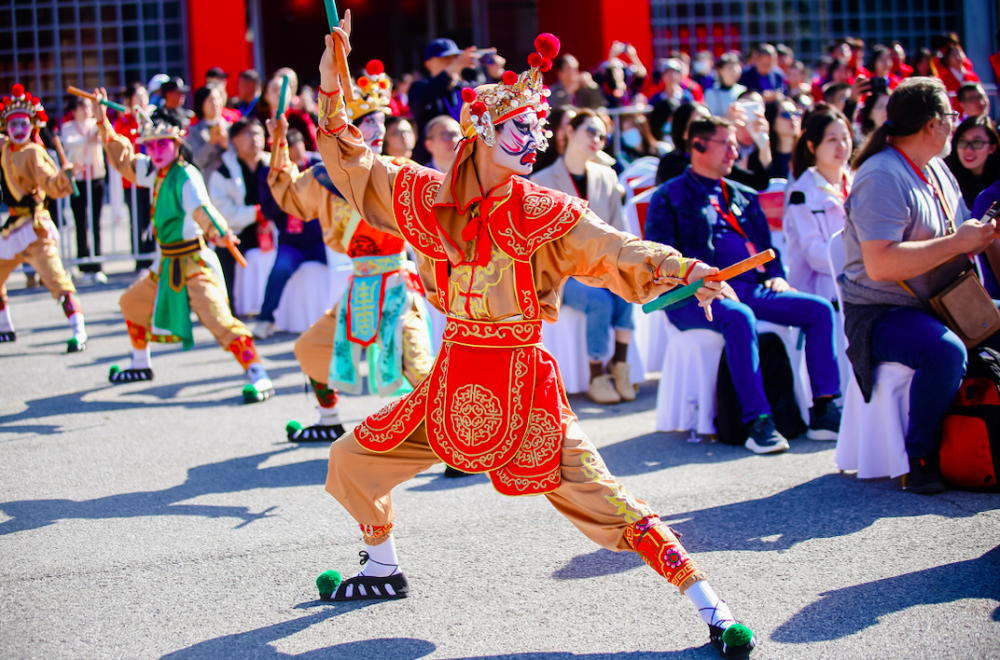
pixel 720 222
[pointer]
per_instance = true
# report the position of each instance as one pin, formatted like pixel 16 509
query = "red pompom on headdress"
pixel 375 67
pixel 362 82
pixel 547 44
pixel 546 64
pixel 468 95
pixel 42 116
pixel 478 108
pixel 535 60
pixel 509 77
pixel 17 89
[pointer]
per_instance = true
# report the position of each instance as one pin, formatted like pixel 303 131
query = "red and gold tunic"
pixel 494 263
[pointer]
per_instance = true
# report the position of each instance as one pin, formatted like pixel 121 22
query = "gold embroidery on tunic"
pixel 471 283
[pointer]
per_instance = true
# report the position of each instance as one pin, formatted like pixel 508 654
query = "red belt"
pixel 493 334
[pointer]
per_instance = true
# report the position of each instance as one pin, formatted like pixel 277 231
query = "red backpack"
pixel 970 444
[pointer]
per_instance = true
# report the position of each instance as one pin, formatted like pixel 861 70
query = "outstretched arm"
pixel 121 154
pixel 364 180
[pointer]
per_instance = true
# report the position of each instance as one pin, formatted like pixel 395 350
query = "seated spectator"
pixel 880 67
pixel 401 96
pixel 720 222
pixel 674 163
pixel 765 77
pixel 954 69
pixel 574 88
pixel 297 119
pixel 234 189
pixel 441 92
pixel 298 241
pixel 922 63
pixel 785 58
pixel 305 101
pixel 991 281
pixel 660 122
pixel 837 94
pixel 208 137
pixel 753 133
pixel 84 150
pixel 974 160
pixel 174 93
pixel 857 47
pixel 796 80
pixel 907 223
pixel 872 114
pixel 217 77
pixel 815 210
pixel 637 138
pixel 576 174
pixel 247 93
pixel 727 87
pixel 399 138
pixel 900 68
pixel 785 121
pixel 973 100
pixel 559 118
pixel 443 135
pixel 820 72
pixel 671 73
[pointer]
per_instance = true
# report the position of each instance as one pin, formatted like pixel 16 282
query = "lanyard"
pixel 935 188
pixel 728 213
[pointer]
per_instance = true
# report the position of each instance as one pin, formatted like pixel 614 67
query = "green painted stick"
pixel 284 95
pixel 677 295
pixel 76 91
pixel 346 84
pixel 331 14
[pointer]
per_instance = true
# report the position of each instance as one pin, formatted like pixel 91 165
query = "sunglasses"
pixel 596 134
pixel 788 114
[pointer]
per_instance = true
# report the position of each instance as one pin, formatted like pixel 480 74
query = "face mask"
pixel 701 67
pixel 19 129
pixel 632 138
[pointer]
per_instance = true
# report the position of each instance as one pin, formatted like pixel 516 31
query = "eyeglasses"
pixel 952 117
pixel 975 145
pixel 731 145
pixel 596 134
pixel 789 114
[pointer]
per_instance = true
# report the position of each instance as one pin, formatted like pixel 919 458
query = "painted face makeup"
pixel 373 130
pixel 518 143
pixel 162 152
pixel 19 128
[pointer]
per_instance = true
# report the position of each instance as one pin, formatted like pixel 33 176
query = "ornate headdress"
pixel 21 102
pixel 492 105
pixel 150 130
pixel 372 93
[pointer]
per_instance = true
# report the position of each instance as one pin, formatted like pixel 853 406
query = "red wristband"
pixel 329 94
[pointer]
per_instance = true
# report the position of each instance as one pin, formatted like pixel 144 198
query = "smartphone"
pixel 991 213
pixel 483 51
pixel 879 86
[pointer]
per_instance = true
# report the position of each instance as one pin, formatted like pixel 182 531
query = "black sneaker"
pixel 764 437
pixel 825 426
pixel 924 477
pixel 6 337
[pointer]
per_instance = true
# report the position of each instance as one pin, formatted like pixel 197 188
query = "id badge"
pixel 294 225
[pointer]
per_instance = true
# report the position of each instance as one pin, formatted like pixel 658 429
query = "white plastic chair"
pixel 566 340
pixel 249 283
pixel 306 296
pixel 645 165
pixel 872 435
pixel 635 212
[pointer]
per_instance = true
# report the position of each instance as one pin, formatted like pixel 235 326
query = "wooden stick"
pixel 63 162
pixel 677 295
pixel 237 255
pixel 76 91
pixel 346 83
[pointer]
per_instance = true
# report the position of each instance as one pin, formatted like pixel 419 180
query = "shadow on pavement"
pixel 229 476
pixel 850 610
pixel 598 563
pixel 440 482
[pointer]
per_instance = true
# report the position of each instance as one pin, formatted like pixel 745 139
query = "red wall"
pixel 217 37
pixel 587 28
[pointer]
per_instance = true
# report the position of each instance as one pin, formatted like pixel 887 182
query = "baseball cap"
pixel 441 48
pixel 174 84
pixel 216 72
pixel 156 81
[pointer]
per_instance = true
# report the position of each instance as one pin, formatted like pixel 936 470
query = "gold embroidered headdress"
pixel 491 105
pixel 372 93
pixel 21 102
pixel 150 130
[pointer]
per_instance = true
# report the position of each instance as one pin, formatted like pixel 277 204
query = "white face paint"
pixel 19 128
pixel 517 143
pixel 373 130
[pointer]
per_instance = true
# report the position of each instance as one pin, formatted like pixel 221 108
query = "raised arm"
pixel 121 154
pixel 364 180
pixel 196 201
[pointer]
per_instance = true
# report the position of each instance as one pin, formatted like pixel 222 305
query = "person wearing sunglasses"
pixel 974 159
pixel 576 173
pixel 785 120
pixel 707 215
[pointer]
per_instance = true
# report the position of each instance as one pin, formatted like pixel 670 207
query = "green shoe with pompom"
pixel 327 583
pixel 733 643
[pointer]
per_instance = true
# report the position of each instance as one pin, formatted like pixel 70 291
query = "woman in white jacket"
pixel 234 188
pixel 815 210
pixel 575 173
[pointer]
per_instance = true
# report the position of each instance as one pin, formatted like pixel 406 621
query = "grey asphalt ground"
pixel 167 520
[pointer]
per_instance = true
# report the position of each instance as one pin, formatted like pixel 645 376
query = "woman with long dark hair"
pixel 974 159
pixel 785 121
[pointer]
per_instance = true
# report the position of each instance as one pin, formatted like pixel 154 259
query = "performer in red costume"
pixel 492 251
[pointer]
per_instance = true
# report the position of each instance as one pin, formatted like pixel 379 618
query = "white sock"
pixel 6 325
pixel 78 327
pixel 382 559
pixel 141 359
pixel 713 611
pixel 258 377
pixel 329 416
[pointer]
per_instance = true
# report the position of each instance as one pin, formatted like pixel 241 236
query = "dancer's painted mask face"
pixel 373 130
pixel 517 143
pixel 19 129
pixel 162 152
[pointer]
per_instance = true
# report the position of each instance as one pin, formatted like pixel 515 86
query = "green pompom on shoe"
pixel 292 427
pixel 112 371
pixel 737 635
pixel 73 345
pixel 327 583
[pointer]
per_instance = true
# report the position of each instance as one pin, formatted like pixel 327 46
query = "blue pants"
pixel 604 311
pixel 737 321
pixel 921 342
pixel 286 263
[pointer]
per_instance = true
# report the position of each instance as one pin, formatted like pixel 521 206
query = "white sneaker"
pixel 263 329
pixel 100 278
pixel 260 388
